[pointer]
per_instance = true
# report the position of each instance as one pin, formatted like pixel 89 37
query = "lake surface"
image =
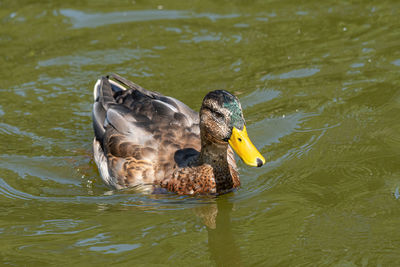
pixel 319 83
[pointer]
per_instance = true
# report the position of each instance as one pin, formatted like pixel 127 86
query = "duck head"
pixel 222 122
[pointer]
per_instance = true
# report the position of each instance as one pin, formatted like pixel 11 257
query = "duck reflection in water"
pixel 221 241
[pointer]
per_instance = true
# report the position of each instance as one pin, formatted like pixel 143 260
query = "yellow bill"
pixel 242 145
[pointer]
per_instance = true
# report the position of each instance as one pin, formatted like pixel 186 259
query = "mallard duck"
pixel 146 138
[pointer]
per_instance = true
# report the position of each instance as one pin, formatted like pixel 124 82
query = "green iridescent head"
pixel 220 112
pixel 222 122
pixel 233 105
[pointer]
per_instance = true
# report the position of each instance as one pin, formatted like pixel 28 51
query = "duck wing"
pixel 139 131
pixel 172 102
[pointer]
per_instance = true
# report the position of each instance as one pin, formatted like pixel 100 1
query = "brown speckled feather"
pixel 143 137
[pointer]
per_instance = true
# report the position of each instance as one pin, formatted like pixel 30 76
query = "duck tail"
pixel 131 85
pixel 103 92
pixel 103 97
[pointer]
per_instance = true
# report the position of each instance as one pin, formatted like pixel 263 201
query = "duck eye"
pixel 219 116
pixel 240 139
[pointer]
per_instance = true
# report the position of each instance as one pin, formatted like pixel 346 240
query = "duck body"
pixel 146 138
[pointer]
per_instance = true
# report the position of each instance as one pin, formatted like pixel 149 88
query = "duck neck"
pixel 216 155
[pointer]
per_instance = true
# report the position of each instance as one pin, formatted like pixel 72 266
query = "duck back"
pixel 141 136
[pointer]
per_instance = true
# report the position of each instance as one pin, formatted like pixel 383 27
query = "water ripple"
pixel 258 96
pixel 57 227
pixel 114 249
pixel 299 73
pixel 130 199
pixel 45 168
pixel 82 19
pixel 270 130
pixel 396 62
pixel 6 129
pixel 98 57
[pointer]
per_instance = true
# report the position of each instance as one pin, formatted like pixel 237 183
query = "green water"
pixel 319 84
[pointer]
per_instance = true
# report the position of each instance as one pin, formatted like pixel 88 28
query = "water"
pixel 319 83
